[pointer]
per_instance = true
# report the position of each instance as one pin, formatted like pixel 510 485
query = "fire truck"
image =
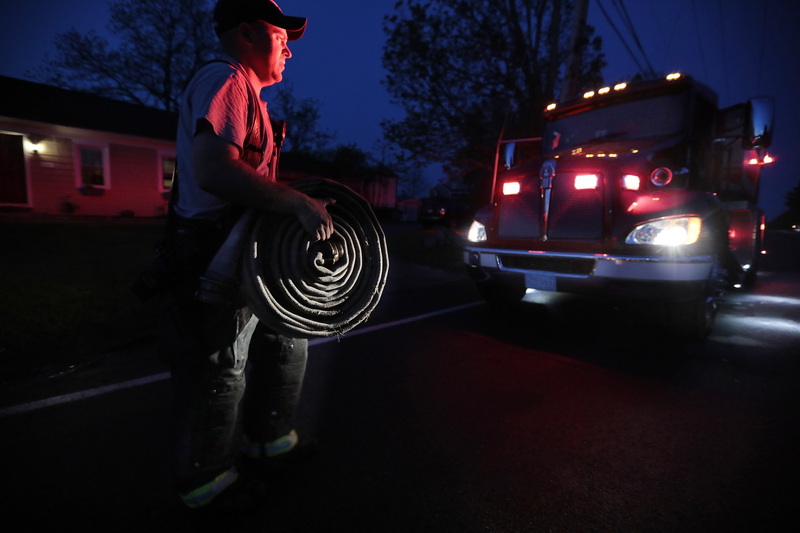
pixel 641 191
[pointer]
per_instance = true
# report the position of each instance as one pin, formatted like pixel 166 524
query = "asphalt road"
pixel 443 415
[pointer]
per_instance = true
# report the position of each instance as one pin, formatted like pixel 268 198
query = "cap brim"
pixel 295 27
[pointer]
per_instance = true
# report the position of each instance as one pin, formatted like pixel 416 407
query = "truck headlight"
pixel 477 232
pixel 667 232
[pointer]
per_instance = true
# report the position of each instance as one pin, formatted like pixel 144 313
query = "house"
pixel 377 185
pixel 74 154
pixel 70 153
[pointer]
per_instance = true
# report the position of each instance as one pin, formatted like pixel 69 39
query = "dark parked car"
pixel 447 211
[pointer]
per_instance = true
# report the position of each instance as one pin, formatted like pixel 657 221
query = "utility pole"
pixel 574 63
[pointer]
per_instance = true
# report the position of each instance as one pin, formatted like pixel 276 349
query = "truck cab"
pixel 644 191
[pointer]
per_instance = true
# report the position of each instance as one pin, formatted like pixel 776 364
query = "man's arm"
pixel 219 170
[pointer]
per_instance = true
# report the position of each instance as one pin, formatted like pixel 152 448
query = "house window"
pixel 92 169
pixel 168 167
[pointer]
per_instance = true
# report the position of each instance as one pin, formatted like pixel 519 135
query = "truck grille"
pixel 578 266
pixel 573 214
pixel 521 216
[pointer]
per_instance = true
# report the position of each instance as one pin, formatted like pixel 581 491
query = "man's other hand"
pixel 315 218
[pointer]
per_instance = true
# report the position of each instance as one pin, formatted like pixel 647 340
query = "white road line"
pixel 81 395
pixel 67 398
pixel 386 325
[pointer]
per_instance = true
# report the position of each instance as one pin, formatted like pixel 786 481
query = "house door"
pixel 13 188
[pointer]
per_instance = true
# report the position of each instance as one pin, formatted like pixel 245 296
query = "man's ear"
pixel 247 31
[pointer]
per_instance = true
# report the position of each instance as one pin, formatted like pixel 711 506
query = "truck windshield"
pixel 638 119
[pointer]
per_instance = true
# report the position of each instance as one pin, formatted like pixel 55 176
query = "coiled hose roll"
pixel 307 289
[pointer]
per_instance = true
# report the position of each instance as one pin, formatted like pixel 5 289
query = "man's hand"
pixel 220 171
pixel 315 219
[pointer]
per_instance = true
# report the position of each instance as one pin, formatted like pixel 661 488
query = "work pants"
pixel 208 348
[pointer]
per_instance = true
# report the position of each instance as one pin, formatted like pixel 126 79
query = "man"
pixel 225 164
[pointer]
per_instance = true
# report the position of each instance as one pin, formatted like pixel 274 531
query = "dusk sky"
pixel 739 48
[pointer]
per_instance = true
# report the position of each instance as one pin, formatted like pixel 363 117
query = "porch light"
pixel 34 144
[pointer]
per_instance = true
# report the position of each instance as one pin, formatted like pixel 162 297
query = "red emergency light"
pixel 766 160
pixel 511 188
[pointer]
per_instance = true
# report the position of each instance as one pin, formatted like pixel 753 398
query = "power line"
pixel 621 38
pixel 626 18
pixel 671 38
pixel 724 52
pixel 763 46
pixel 699 41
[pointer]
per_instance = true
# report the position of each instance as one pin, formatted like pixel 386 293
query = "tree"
pixel 791 217
pixel 161 43
pixel 466 70
pixel 792 201
pixel 302 118
pixel 413 183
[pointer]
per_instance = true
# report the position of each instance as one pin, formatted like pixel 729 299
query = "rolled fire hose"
pixel 305 289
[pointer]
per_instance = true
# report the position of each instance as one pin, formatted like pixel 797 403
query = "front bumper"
pixel 626 275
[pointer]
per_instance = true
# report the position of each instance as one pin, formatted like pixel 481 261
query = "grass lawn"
pixel 65 286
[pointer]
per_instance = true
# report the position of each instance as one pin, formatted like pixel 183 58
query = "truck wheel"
pixel 693 320
pixel 749 281
pixel 750 277
pixel 500 294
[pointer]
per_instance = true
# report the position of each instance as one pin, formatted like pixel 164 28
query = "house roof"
pixel 28 100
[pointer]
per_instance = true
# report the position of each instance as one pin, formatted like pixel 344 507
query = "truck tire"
pixel 499 294
pixel 694 319
pixel 749 280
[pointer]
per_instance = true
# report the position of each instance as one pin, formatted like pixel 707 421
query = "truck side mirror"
pixel 758 134
pixel 509 152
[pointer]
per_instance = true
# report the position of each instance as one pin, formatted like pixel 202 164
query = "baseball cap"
pixel 230 13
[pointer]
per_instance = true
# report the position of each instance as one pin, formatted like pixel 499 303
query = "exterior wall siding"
pixel 132 173
pixel 52 167
pixel 133 189
pixel 133 141
pixel 51 176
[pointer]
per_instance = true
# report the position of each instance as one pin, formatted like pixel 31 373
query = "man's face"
pixel 270 52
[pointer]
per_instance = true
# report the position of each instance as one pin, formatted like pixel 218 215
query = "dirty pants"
pixel 208 348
